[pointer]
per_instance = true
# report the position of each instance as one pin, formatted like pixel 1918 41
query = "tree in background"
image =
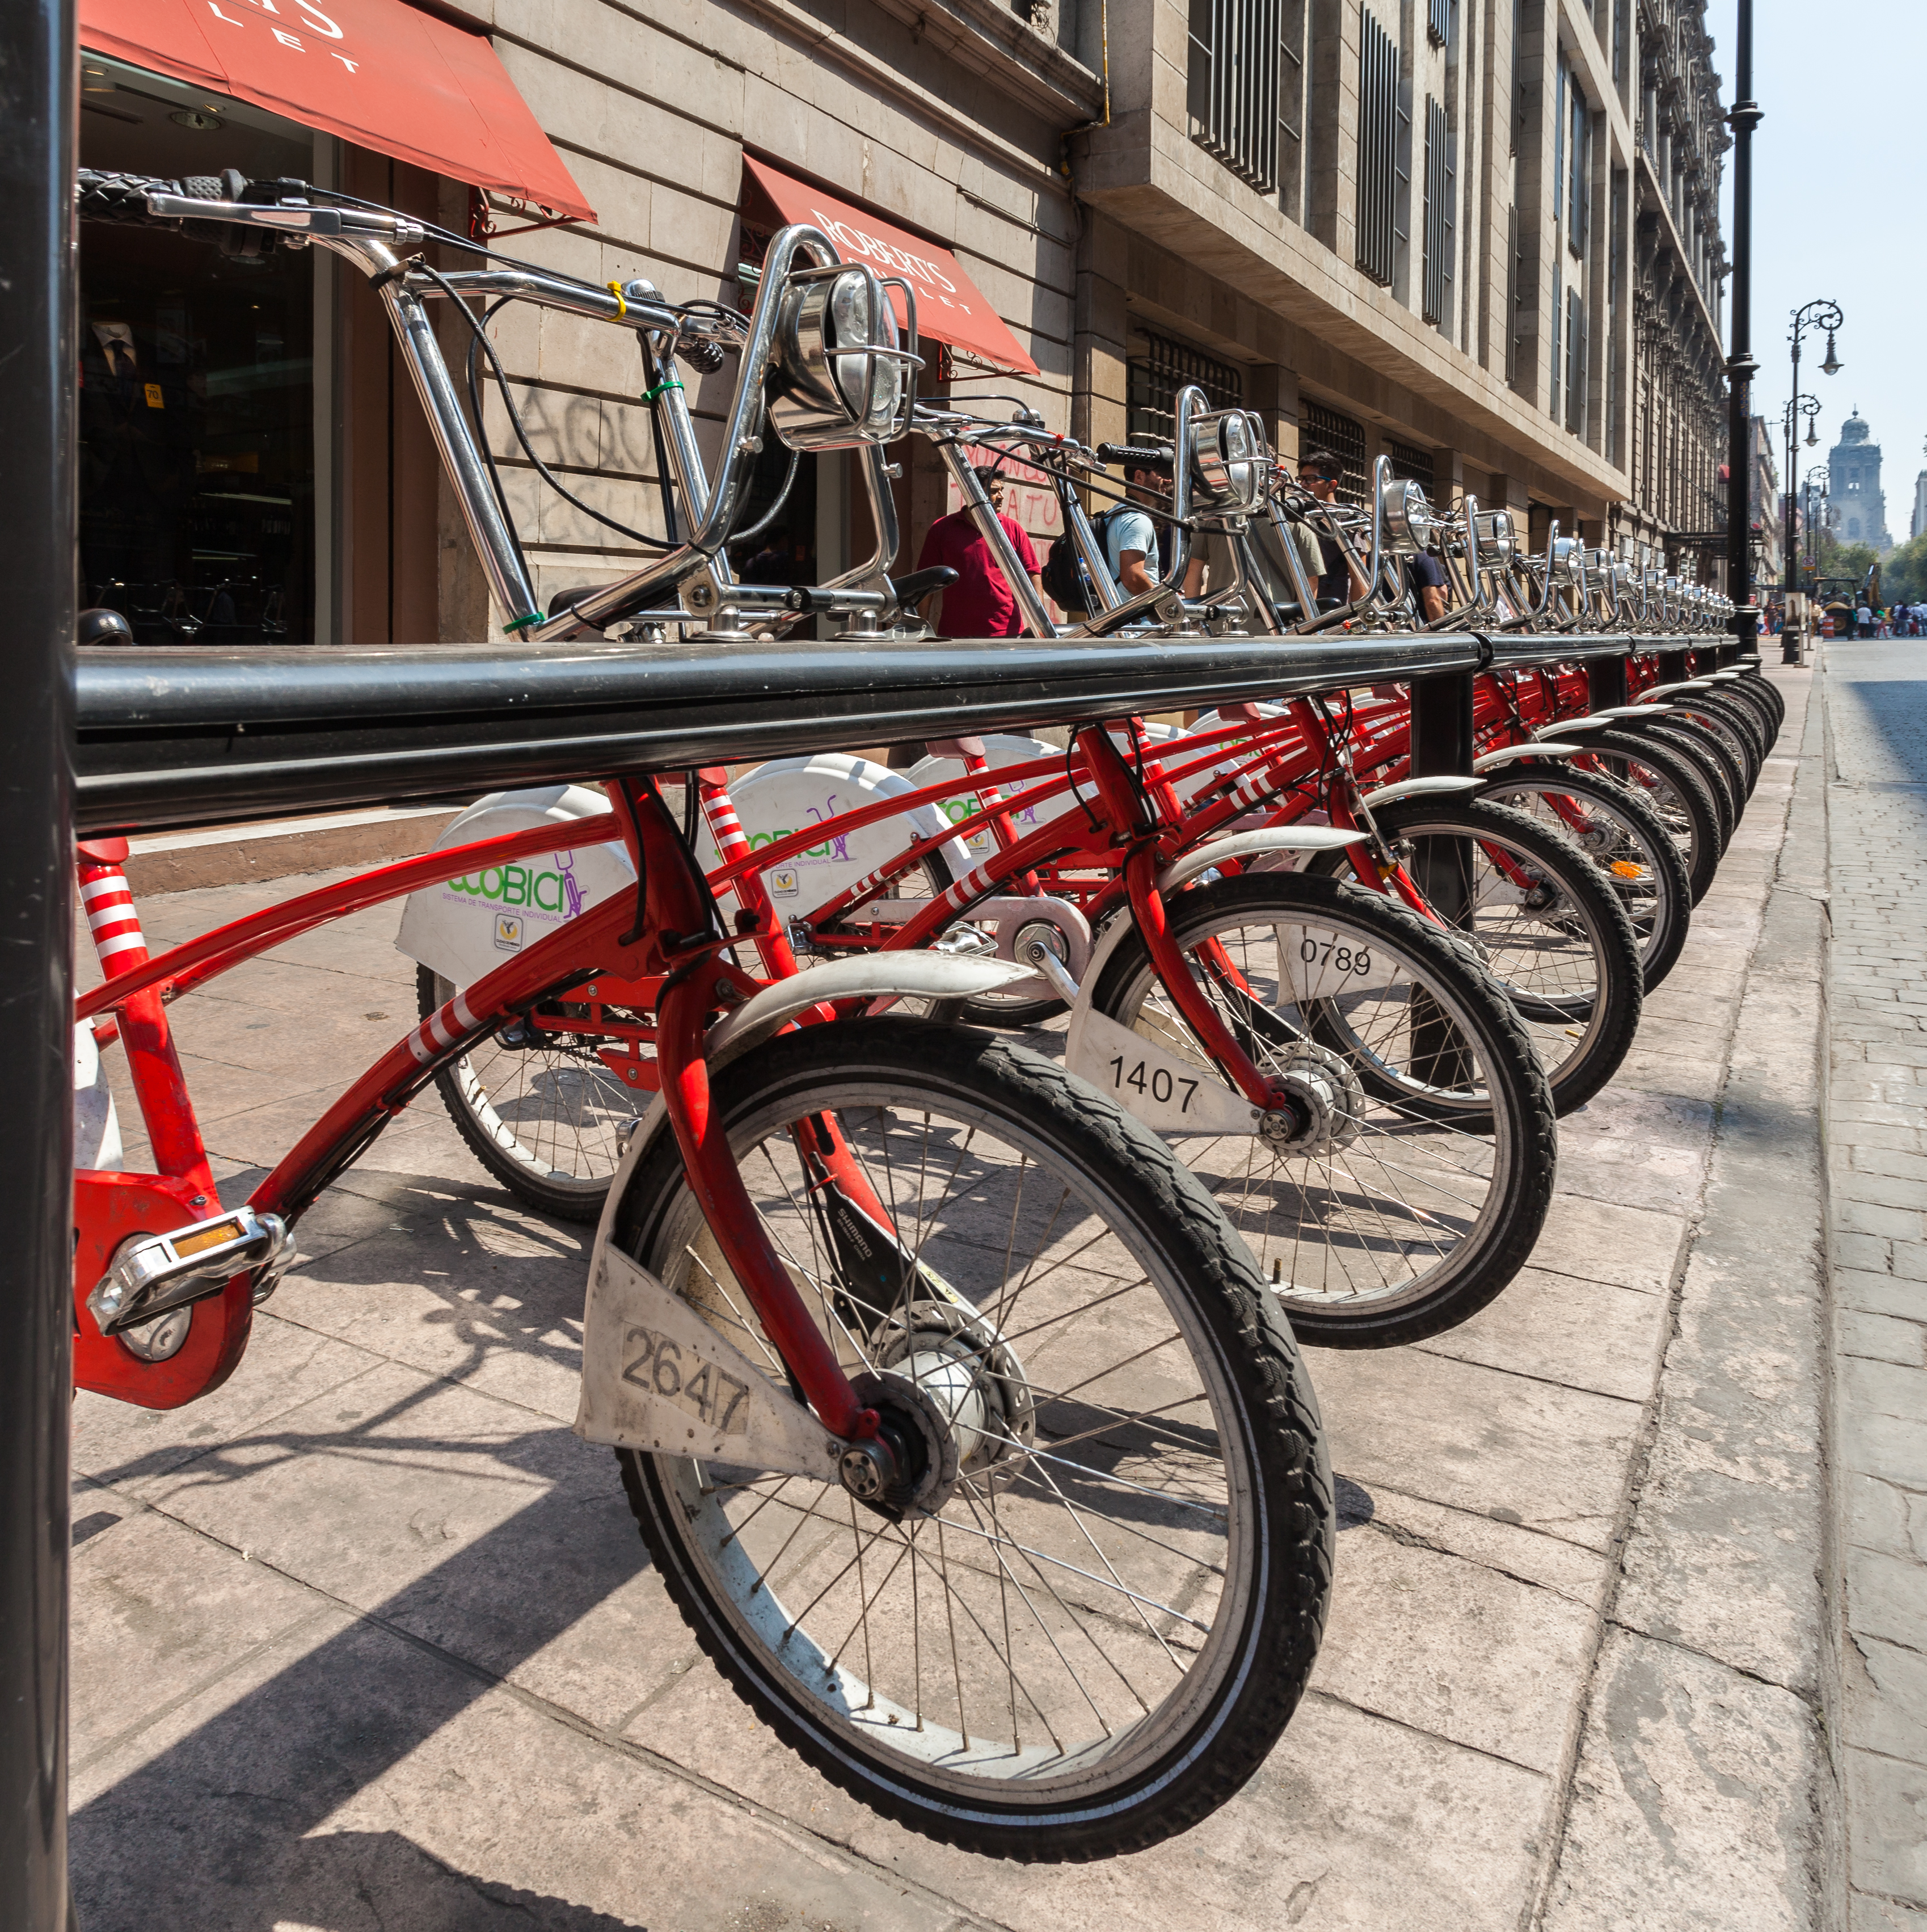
pixel 1904 574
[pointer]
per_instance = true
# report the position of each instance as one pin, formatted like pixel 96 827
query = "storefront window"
pixel 197 374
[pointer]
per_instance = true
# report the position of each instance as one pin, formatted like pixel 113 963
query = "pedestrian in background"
pixel 980 603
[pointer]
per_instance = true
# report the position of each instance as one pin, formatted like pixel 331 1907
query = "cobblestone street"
pixel 368 1639
pixel 1877 1173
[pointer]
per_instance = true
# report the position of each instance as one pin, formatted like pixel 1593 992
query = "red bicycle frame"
pixel 661 946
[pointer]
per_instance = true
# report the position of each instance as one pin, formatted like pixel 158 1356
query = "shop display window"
pixel 197 402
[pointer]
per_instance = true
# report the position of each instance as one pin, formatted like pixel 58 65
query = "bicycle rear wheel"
pixel 539 1109
pixel 1092 1629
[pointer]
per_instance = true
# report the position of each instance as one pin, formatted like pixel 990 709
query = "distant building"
pixel 1764 511
pixel 1920 505
pixel 1859 505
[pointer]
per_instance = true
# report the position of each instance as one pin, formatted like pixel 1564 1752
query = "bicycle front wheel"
pixel 1547 926
pixel 1629 843
pixel 1423 1179
pixel 1093 1631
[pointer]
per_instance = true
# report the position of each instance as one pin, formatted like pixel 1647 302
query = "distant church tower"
pixel 1919 503
pixel 1859 507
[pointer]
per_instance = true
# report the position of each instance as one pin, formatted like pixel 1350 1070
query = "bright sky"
pixel 1836 214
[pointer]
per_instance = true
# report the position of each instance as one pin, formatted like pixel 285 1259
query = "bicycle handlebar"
pixel 1137 456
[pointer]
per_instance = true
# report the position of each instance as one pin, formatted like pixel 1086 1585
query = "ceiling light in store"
pixel 197 118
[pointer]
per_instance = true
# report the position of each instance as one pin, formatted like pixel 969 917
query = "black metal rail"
pixel 171 737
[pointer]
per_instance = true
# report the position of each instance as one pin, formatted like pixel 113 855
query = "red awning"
pixel 378 72
pixel 949 308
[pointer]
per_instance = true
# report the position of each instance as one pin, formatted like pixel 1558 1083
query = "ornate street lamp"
pixel 1816 314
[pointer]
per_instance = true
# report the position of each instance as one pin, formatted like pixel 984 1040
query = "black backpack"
pixel 1064 583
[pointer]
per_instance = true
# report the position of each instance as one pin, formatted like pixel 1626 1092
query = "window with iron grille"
pixel 1441 190
pixel 1291 111
pixel 1438 22
pixel 1377 152
pixel 1575 362
pixel 1156 376
pixel 1413 464
pixel 1321 428
pixel 1579 182
pixel 1235 59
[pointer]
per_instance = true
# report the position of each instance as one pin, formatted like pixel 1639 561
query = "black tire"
pixel 543 1120
pixel 1744 718
pixel 1563 948
pixel 960 1772
pixel 1628 842
pixel 1361 1221
pixel 1758 696
pixel 1710 754
pixel 1679 789
pixel 1732 730
pixel 1762 688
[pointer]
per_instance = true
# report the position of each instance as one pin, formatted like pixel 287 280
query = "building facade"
pixel 1858 502
pixel 1765 512
pixel 1676 499
pixel 1478 236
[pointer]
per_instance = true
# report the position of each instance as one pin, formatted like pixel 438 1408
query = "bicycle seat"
pixel 911 590
pixel 102 627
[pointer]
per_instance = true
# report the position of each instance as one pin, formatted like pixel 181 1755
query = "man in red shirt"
pixel 980 603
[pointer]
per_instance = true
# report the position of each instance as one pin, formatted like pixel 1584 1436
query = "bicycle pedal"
pixel 152 1274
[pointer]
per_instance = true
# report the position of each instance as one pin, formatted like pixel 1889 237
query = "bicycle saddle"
pixel 910 591
pixel 102 627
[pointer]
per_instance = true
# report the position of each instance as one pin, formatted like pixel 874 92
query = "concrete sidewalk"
pixel 368 1639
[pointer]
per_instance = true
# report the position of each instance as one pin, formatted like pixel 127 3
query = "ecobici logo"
pixel 555 892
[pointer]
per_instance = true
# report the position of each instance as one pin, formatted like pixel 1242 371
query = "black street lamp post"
pixel 1744 117
pixel 1817 314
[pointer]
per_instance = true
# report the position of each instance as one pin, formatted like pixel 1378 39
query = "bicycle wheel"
pixel 1419 1184
pixel 1758 696
pixel 1743 719
pixel 1765 692
pixel 1547 926
pixel 1710 756
pixel 1733 730
pixel 1632 845
pixel 539 1110
pixel 1092 1629
pixel 1676 790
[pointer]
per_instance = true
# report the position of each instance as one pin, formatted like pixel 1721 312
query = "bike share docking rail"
pixel 182 736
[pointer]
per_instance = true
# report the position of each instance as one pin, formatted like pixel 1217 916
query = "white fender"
pixel 1542 747
pixel 97 1128
pixel 1000 748
pixel 1246 845
pixel 1688 684
pixel 1418 788
pixel 787 794
pixel 462 928
pixel 655 1375
pixel 927 976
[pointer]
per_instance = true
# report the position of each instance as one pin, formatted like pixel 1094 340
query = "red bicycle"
pixel 960 1426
